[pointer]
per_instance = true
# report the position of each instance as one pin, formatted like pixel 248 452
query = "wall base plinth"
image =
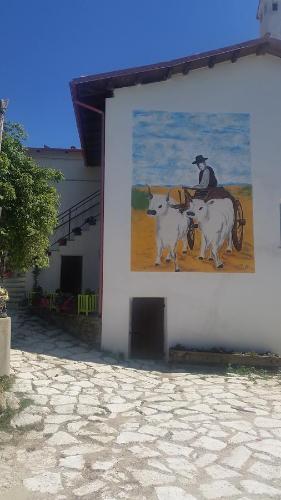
pixel 5 346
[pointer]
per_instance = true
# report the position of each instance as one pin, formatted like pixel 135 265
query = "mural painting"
pixel 191 193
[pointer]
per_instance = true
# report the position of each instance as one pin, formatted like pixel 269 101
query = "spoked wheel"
pixel 238 227
pixel 191 235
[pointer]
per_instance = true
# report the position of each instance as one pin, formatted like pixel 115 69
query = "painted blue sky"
pixel 165 145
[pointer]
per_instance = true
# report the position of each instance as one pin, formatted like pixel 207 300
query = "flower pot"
pixel 77 231
pixel 5 346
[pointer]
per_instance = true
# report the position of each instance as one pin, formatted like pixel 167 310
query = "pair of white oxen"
pixel 215 219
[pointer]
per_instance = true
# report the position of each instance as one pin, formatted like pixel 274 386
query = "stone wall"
pixel 86 328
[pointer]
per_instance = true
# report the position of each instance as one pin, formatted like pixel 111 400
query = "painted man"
pixel 207 177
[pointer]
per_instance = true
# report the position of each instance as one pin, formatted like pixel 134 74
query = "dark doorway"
pixel 147 328
pixel 71 274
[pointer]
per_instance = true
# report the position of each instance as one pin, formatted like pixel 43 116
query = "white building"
pixel 145 126
pixel 269 15
pixel 74 257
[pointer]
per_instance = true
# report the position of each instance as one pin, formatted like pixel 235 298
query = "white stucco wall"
pixel 86 246
pixel 270 20
pixel 238 311
pixel 79 182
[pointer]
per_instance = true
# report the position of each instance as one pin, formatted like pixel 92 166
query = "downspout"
pixel 102 114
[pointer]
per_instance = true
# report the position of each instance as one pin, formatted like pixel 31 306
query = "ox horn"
pixel 150 195
pixel 176 207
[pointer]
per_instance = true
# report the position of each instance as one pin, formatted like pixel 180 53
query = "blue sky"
pixel 44 44
pixel 165 145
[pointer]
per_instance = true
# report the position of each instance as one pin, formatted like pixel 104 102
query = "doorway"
pixel 147 328
pixel 71 274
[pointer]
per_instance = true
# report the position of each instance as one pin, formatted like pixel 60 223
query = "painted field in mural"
pixel 192 193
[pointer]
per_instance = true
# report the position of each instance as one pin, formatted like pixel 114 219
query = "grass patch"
pixel 5 419
pixel 140 199
pixel 25 403
pixel 6 416
pixel 6 383
pixel 245 191
pixel 249 371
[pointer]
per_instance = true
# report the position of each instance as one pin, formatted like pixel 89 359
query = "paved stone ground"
pixel 103 429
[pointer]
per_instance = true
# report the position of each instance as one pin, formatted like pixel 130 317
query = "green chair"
pixel 29 296
pixel 83 304
pixel 52 301
pixel 87 303
pixel 93 303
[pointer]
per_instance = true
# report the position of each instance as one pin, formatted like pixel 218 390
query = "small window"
pixel 274 6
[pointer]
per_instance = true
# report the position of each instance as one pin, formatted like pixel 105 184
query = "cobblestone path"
pixel 102 429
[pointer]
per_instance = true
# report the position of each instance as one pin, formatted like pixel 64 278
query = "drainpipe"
pixel 101 113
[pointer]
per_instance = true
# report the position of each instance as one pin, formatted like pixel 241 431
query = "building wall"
pixel 270 20
pixel 87 246
pixel 79 182
pixel 236 311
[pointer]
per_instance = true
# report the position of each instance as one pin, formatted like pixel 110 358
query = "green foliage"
pixel 30 204
pixel 6 383
pixel 140 199
pixel 248 371
pixel 8 413
pixel 25 403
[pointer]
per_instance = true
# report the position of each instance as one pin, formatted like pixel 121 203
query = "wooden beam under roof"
pixel 211 62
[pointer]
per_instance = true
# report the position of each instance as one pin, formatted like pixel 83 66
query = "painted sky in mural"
pixel 165 144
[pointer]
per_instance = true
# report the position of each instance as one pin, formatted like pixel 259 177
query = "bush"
pixel 139 199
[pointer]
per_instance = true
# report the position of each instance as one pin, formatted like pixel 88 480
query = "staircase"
pixel 16 288
pixel 75 220
pixel 71 224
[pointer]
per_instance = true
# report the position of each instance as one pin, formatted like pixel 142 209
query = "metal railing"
pixel 85 212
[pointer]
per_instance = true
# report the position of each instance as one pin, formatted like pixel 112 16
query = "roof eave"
pixel 98 87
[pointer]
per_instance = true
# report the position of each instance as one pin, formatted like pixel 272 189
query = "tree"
pixel 30 204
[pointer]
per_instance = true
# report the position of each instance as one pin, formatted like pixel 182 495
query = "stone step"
pixel 16 288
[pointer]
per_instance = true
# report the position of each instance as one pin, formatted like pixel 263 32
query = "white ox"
pixel 171 226
pixel 215 219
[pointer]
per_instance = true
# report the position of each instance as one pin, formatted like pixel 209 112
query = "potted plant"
pixel 4 297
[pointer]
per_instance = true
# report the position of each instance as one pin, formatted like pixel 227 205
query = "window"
pixel 274 6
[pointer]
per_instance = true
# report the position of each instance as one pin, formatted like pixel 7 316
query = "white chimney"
pixel 269 16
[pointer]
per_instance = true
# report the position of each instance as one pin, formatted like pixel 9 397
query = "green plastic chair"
pixel 87 303
pixel 52 301
pixel 83 304
pixel 29 296
pixel 93 303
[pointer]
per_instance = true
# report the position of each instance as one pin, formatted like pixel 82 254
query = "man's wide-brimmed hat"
pixel 199 159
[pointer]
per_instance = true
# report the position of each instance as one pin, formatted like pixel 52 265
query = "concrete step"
pixel 16 288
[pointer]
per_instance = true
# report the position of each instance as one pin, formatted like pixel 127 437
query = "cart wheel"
pixel 191 235
pixel 238 227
